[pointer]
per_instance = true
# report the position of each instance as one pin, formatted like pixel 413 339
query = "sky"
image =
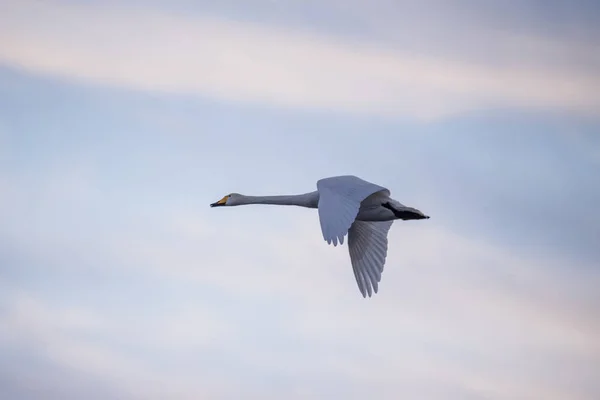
pixel 121 121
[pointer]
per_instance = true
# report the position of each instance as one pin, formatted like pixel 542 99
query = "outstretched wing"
pixel 367 245
pixel 339 202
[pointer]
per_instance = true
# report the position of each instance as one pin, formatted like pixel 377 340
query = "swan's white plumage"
pixel 367 245
pixel 340 198
pixel 348 205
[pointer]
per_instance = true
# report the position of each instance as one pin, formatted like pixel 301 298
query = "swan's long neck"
pixel 309 200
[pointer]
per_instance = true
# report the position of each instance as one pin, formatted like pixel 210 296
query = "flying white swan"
pixel 347 205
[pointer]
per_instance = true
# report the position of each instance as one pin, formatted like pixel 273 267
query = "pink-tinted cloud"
pixel 452 312
pixel 243 62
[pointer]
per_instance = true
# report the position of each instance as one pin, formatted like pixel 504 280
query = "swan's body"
pixel 347 205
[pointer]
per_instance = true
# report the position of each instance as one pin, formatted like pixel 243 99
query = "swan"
pixel 347 205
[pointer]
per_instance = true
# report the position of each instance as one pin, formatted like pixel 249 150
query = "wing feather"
pixel 367 245
pixel 339 203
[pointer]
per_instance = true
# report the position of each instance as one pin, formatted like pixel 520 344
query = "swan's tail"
pixel 405 213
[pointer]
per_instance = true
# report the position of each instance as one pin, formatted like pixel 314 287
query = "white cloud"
pixel 68 338
pixel 455 317
pixel 234 61
pixel 452 312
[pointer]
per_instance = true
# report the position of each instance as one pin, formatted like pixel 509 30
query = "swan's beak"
pixel 219 203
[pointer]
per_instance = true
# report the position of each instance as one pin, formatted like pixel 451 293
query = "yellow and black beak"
pixel 221 202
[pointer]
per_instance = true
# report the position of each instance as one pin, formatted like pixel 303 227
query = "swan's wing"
pixel 339 202
pixel 367 245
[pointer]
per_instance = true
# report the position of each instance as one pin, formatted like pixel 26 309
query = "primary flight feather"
pixel 347 205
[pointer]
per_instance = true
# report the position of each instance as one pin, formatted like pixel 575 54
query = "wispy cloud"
pixel 453 312
pixel 117 281
pixel 248 62
pixel 75 341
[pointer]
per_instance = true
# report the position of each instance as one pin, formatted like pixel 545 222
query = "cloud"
pixel 69 340
pixel 455 318
pixel 117 281
pixel 248 62
pixel 445 323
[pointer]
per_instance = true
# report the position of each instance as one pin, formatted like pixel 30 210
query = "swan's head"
pixel 231 199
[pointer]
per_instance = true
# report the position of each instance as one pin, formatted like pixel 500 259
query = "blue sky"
pixel 121 121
